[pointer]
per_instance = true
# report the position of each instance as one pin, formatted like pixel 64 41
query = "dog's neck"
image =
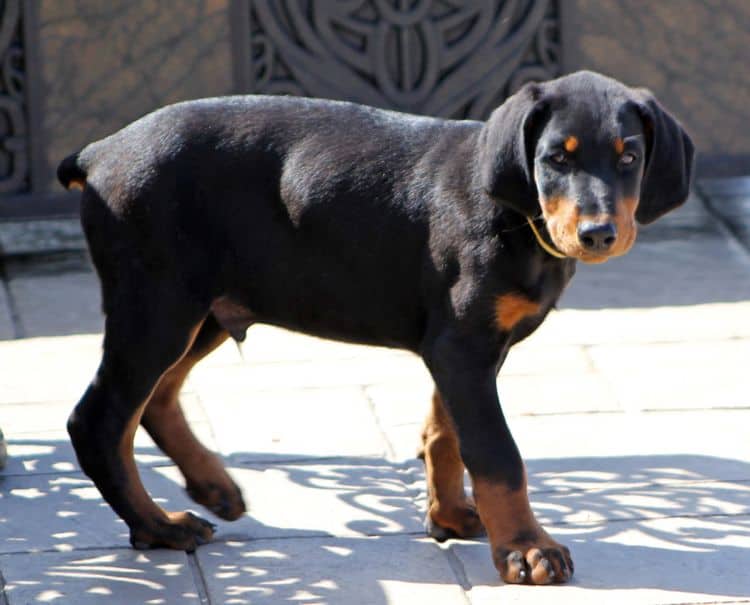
pixel 548 248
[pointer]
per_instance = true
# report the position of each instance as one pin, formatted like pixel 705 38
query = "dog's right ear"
pixel 506 150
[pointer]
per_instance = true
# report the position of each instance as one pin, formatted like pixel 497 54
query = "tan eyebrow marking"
pixel 571 144
pixel 619 145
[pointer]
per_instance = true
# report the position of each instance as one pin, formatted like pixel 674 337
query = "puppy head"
pixel 589 155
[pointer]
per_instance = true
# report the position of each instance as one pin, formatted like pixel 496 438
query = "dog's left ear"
pixel 669 161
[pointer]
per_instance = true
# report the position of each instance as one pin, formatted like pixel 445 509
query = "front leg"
pixel 464 371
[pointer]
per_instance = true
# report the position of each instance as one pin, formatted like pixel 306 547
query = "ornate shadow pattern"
pixel 13 131
pixel 450 58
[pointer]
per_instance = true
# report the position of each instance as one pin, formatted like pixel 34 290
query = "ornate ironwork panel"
pixel 448 58
pixel 13 127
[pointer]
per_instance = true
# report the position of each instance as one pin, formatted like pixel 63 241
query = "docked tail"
pixel 71 174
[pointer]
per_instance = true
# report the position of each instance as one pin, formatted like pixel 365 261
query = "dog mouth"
pixel 562 240
pixel 589 237
pixel 574 250
pixel 592 259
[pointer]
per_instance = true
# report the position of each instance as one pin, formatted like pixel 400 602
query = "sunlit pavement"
pixel 631 406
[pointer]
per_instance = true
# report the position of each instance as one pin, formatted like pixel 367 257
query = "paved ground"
pixel 631 406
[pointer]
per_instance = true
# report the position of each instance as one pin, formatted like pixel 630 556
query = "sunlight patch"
pixel 99 590
pixel 341 551
pixel 637 537
pixel 30 493
pixel 49 595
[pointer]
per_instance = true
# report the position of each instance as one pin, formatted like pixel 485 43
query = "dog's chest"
pixel 521 307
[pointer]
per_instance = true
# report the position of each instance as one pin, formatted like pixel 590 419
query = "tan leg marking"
pixel 512 308
pixel 521 549
pixel 207 481
pixel 152 526
pixel 178 530
pixel 448 506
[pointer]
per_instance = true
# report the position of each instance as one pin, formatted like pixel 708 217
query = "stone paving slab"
pixel 630 418
pixel 65 511
pixel 676 560
pixel 677 324
pixel 48 369
pixel 701 432
pixel 58 304
pixel 44 417
pixel 679 272
pixel 365 571
pixel 312 373
pixel 267 344
pixel 60 512
pixel 729 199
pixel 350 498
pixel 252 425
pixel 717 434
pixel 524 365
pixel 40 443
pixel 116 577
pixel 41 236
pixel 739 186
pixel 6 318
pixel 557 394
pixel 401 406
pixel 41 453
pixel 587 492
pixel 526 359
pixel 683 259
pixel 677 376
pixel 587 508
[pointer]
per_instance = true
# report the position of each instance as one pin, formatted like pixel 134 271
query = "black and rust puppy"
pixel 452 239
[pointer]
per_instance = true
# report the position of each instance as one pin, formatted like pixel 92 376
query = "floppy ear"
pixel 669 161
pixel 506 150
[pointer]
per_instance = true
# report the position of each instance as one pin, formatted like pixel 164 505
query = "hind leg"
pixel 207 482
pixel 150 324
pixel 450 513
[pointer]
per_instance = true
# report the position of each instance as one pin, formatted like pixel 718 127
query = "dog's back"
pixel 252 183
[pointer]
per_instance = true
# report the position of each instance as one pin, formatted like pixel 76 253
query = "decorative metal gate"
pixel 14 143
pixel 451 58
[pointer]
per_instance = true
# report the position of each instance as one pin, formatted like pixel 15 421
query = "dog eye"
pixel 627 158
pixel 559 158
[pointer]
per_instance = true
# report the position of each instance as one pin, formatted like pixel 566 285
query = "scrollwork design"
pixel 13 137
pixel 449 58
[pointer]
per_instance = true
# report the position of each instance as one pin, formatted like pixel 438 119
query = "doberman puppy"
pixel 451 239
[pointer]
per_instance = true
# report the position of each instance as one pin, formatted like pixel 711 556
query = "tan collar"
pixel 551 250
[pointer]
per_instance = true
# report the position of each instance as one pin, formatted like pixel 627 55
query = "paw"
pixel 223 500
pixel 531 564
pixel 180 531
pixel 456 522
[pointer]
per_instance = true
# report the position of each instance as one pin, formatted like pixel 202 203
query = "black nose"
pixel 597 237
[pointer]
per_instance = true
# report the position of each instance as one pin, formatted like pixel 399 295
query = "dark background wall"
pixel 694 54
pixel 103 63
pixel 81 69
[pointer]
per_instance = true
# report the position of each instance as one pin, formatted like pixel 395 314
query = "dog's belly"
pixel 353 324
pixel 334 302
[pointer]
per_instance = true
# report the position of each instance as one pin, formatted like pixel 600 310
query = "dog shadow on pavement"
pixel 348 530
